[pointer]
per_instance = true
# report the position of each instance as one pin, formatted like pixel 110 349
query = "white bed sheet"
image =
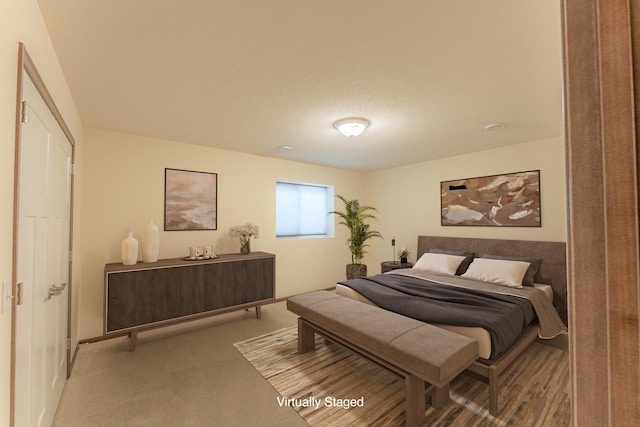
pixel 476 333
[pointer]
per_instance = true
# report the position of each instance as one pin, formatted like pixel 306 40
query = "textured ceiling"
pixel 252 75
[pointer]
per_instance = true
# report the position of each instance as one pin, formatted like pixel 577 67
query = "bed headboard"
pixel 553 270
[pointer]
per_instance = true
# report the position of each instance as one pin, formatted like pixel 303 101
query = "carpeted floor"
pixel 332 386
pixel 184 375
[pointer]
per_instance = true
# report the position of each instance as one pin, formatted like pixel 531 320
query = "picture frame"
pixel 505 200
pixel 190 200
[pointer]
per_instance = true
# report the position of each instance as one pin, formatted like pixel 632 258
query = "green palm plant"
pixel 355 217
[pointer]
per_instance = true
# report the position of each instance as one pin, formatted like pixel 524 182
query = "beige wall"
pixel 20 21
pixel 124 186
pixel 408 198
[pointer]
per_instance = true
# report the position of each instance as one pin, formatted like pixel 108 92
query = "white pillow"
pixel 439 263
pixel 497 271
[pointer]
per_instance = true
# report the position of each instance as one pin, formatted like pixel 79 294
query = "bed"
pixel 547 281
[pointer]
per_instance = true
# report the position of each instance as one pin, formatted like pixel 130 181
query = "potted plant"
pixel 403 254
pixel 355 217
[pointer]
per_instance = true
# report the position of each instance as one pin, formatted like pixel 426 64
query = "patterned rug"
pixel 335 387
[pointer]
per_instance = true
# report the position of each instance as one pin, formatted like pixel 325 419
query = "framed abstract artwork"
pixel 190 200
pixel 508 200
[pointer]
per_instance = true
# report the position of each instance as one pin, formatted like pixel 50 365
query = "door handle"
pixel 56 290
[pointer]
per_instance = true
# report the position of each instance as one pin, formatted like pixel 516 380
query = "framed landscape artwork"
pixel 190 200
pixel 509 200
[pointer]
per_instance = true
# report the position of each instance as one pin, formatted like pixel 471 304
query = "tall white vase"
pixel 129 250
pixel 150 242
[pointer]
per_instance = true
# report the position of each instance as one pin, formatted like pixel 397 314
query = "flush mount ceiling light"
pixel 352 126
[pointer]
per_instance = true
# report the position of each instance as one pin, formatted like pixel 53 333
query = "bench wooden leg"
pixel 306 337
pixel 414 401
pixel 440 396
pixel 493 393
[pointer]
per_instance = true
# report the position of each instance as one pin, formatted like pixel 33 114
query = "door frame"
pixel 601 55
pixel 27 66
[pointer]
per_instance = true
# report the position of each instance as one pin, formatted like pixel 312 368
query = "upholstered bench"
pixel 415 350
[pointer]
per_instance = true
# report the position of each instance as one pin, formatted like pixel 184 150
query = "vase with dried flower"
pixel 245 232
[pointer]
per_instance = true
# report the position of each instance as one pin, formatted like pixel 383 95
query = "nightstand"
pixel 391 265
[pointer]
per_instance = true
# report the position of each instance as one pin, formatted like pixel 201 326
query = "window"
pixel 302 210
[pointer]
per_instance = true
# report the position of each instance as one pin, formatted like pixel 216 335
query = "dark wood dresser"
pixel 149 295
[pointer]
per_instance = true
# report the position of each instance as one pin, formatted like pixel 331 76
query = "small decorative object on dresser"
pixel 244 233
pixel 129 249
pixel 207 252
pixel 195 252
pixel 150 242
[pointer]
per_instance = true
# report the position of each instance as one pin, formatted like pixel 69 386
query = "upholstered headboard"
pixel 553 270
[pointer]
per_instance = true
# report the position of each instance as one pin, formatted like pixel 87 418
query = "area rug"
pixel 333 386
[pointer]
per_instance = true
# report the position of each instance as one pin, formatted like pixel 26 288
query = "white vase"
pixel 129 250
pixel 150 242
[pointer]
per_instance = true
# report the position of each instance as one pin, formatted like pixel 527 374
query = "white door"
pixel 44 203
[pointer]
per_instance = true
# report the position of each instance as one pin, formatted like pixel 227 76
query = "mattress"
pixel 479 334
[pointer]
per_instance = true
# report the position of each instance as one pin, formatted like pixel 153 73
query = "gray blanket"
pixel 503 312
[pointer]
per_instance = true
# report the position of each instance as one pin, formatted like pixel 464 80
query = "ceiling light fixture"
pixel 351 126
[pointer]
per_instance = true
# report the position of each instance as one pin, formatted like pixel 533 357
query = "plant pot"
pixel 356 270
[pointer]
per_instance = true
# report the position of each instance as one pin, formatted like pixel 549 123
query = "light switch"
pixel 6 295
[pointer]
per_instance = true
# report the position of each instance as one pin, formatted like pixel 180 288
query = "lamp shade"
pixel 352 126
